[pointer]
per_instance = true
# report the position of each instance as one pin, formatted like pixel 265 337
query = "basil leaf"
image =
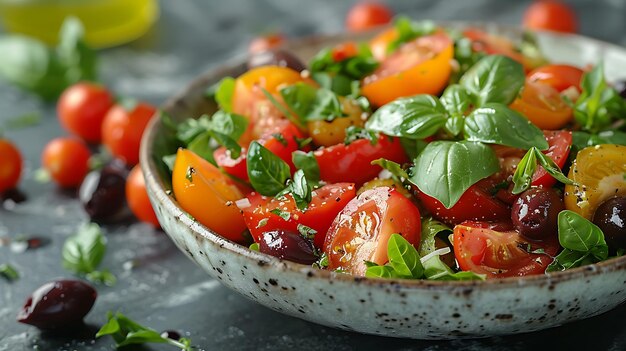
pixel 307 162
pixel 355 67
pixel 430 229
pixel 455 99
pixel 224 94
pixel 201 146
pixel 414 117
pixel 435 269
pixel 497 124
pixel 354 133
pixel 295 119
pixel 306 232
pixel 229 143
pixel 598 104
pixel 403 257
pixel 267 172
pixel 567 259
pixel 394 168
pixel 312 104
pixel 300 190
pixel 579 234
pixel 523 176
pixel 446 169
pixel 380 272
pixel 101 277
pixel 80 61
pixel 83 251
pixel 412 147
pixel 282 214
pixel 552 168
pixel 495 78
pixel 191 128
pixel 409 30
pixel 338 84
pixel 8 272
pixel 464 55
pixel 230 124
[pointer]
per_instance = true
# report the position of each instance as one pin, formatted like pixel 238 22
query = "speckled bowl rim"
pixel 157 186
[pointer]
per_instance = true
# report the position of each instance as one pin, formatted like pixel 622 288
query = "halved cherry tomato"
pixel 282 143
pixel 250 101
pixel 600 173
pixel 475 204
pixel 66 160
pixel 208 195
pixel 499 251
pixel 543 106
pixel 560 77
pixel 266 42
pixel 10 165
pixel 137 197
pixel 362 229
pixel 82 108
pixel 366 15
pixel 352 162
pixel 421 66
pixel 122 129
pixel 550 15
pixel 326 203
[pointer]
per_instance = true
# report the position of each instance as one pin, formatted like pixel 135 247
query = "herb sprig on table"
pixel 83 252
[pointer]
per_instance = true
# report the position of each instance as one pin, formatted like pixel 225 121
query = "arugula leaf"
pixel 403 257
pixel 308 164
pixel 354 68
pixel 497 124
pixel 224 94
pixel 8 272
pixel 354 133
pixel 394 168
pixel 83 252
pixel 414 117
pixel 495 78
pixel 527 166
pixel 409 30
pixel 312 104
pixel 128 332
pixel 430 229
pixel 446 169
pixel 267 172
pixel 435 269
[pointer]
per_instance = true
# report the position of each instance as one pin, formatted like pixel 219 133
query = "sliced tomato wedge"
pixel 421 66
pixel 560 77
pixel 499 251
pixel 543 106
pixel 560 142
pixel 352 162
pixel 362 229
pixel 326 203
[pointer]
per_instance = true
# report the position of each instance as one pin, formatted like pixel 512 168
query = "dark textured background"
pixel 167 291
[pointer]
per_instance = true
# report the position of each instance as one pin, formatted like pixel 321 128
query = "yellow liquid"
pixel 107 22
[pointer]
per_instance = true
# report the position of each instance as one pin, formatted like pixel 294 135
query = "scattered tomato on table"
pixel 554 15
pixel 10 165
pixel 66 160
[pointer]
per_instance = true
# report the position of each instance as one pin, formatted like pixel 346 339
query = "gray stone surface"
pixel 165 290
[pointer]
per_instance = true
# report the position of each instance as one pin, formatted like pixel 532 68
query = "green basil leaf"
pixel 523 176
pixel 295 119
pixel 267 172
pixel 394 168
pixel 101 277
pixel 312 104
pixel 464 55
pixel 80 60
pixel 403 257
pixel 454 125
pixel 354 133
pixel 229 143
pixel 579 234
pixel 446 169
pixel 306 232
pixel 552 168
pixel 230 124
pixel 497 124
pixel 409 30
pixel 567 259
pixel 413 147
pixel 8 272
pixel 307 162
pixel 224 94
pixel 495 78
pixel 380 272
pixel 190 128
pixel 435 269
pixel 300 190
pixel 414 117
pixel 83 251
pixel 110 327
pixel 430 229
pixel 338 84
pixel 456 100
pixel 282 214
pixel 201 145
pixel 355 68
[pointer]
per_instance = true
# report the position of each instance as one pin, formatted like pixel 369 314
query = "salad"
pixel 424 153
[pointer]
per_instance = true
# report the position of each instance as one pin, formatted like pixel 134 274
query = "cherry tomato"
pixel 543 106
pixel 421 66
pixel 326 203
pixel 499 251
pixel 122 130
pixel 362 229
pixel 475 204
pixel 137 197
pixel 344 51
pixel 266 42
pixel 81 109
pixel 66 160
pixel 550 15
pixel 325 133
pixel 250 101
pixel 599 173
pixel 560 77
pixel 208 195
pixel 282 143
pixel 10 165
pixel 560 142
pixel 366 15
pixel 352 162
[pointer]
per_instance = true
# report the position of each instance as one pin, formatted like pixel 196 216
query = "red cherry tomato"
pixel 81 109
pixel 543 106
pixel 560 142
pixel 344 51
pixel 362 229
pixel 137 197
pixel 10 165
pixel 475 204
pixel 366 15
pixel 282 143
pixel 326 203
pixel 560 77
pixel 499 251
pixel 550 15
pixel 66 160
pixel 122 130
pixel 352 162
pixel 266 42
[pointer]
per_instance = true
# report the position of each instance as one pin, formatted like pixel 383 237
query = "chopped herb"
pixel 282 214
pixel 262 223
pixel 306 232
pixel 189 174
pixel 354 133
pixel 8 272
pixel 254 247
pixel 322 262
pixel 280 138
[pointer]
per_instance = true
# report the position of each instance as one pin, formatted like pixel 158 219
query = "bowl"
pixel 417 309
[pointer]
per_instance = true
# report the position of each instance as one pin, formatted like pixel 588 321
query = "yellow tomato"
pixel 328 133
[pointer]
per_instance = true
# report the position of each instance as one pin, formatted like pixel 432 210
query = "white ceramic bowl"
pixel 400 308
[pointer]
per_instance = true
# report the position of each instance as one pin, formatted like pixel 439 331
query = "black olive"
pixel 288 246
pixel 535 213
pixel 276 58
pixel 103 192
pixel 58 304
pixel 610 217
